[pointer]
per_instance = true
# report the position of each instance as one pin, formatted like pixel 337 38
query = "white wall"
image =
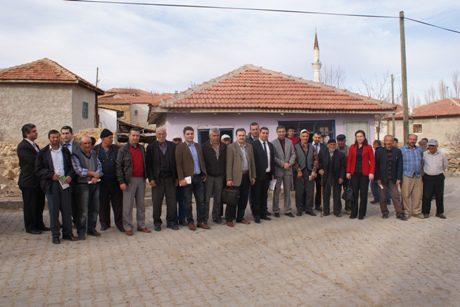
pixel 108 119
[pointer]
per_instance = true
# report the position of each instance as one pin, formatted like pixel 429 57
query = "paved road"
pixel 301 261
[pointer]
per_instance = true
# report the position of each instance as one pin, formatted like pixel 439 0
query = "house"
pixel 132 105
pixel 439 120
pixel 252 93
pixel 46 94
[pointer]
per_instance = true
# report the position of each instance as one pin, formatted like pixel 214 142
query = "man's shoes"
pixel 385 215
pixel 326 213
pixel 69 238
pixel 269 213
pixel 203 226
pixel 402 217
pixel 81 237
pixel 441 216
pixel 230 224
pixel 191 226
pixel 157 227
pixel 121 229
pixel 173 227
pixel 420 216
pixel 310 213
pixel 266 218
pixel 257 220
pixel 56 241
pixel 244 221
pixel 361 218
pixel 338 214
pixel 299 213
pixel 277 214
pixel 289 214
pixel 352 216
pixel 104 227
pixel 183 223
pixel 374 202
pixel 318 209
pixel 94 233
pixel 34 231
pixel 217 221
pixel 426 215
pixel 129 232
pixel 144 229
pixel 44 228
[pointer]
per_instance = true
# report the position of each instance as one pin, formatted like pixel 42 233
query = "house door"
pixel 352 126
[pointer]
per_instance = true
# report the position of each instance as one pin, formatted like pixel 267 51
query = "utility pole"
pixel 393 102
pixel 405 104
pixel 97 76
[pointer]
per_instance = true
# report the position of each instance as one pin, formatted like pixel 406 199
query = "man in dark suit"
pixel 32 196
pixel 264 158
pixel 215 153
pixel 54 168
pixel 162 175
pixel 191 173
pixel 321 150
pixel 333 173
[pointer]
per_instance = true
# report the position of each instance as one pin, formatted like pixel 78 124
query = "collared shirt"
pixel 68 145
pixel 216 148
pixel 317 147
pixel 267 152
pixel 58 160
pixel 389 169
pixel 163 147
pixel 434 164
pixel 33 144
pixel 137 160
pixel 283 144
pixel 412 161
pixel 196 160
pixel 244 155
pixel 83 172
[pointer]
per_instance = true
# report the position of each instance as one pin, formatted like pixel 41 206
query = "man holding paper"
pixel 89 170
pixel 388 175
pixel 54 169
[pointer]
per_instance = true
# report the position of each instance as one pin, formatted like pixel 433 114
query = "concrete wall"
pixel 139 114
pixel 345 124
pixel 80 95
pixel 108 119
pixel 432 128
pixel 48 106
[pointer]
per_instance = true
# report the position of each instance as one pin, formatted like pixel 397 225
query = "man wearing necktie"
pixel 321 151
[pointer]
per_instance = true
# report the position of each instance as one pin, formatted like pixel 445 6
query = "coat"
pixel 27 156
pixel 44 168
pixel 152 159
pixel 261 160
pixel 215 167
pixel 288 156
pixel 184 160
pixel 333 167
pixel 125 164
pixel 235 163
pixel 381 165
pixel 368 162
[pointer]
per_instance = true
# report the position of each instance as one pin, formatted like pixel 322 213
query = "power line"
pixel 253 9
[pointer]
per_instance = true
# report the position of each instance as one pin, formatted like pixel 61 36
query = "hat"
pixel 432 142
pixel 105 133
pixel 304 130
pixel 341 137
pixel 331 141
pixel 225 136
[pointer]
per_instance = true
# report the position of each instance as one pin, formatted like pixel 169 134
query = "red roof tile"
pixel 252 88
pixel 44 71
pixel 449 107
pixel 117 96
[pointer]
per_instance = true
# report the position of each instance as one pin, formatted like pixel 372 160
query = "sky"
pixel 170 49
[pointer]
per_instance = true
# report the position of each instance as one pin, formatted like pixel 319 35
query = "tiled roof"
pixel 44 71
pixel 255 89
pixel 117 96
pixel 449 107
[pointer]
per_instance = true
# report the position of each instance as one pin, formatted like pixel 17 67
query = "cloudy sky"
pixel 169 49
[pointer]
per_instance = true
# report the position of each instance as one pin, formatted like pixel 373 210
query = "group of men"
pixel 82 180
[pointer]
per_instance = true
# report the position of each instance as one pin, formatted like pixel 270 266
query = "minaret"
pixel 316 65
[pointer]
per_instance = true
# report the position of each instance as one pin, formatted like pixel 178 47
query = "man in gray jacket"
pixel 284 160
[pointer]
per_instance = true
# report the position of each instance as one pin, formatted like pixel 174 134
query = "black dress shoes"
pixel 277 214
pixel 289 214
pixel 34 231
pixel 310 213
pixel 173 227
pixel 104 227
pixel 257 220
pixel 157 227
pixel 269 213
pixel 266 218
pixel 94 233
pixel 69 238
pixel 441 216
pixel 298 213
pixel 44 228
pixel 56 241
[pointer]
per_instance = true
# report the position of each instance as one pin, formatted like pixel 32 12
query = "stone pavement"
pixel 300 261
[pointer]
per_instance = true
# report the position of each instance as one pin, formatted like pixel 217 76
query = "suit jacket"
pixel 381 162
pixel 184 160
pixel 368 163
pixel 333 167
pixel 281 157
pixel 152 159
pixel 261 159
pixel 215 167
pixel 235 163
pixel 323 153
pixel 124 164
pixel 27 156
pixel 44 168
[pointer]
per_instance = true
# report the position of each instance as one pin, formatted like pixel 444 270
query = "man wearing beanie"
pixel 110 193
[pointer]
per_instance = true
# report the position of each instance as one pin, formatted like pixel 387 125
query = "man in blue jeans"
pixel 89 169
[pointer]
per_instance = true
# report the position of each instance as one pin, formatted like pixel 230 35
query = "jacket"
pixel 306 162
pixel 125 164
pixel 368 162
pixel 44 168
pixel 27 156
pixel 381 161
pixel 235 163
pixel 184 160
pixel 152 159
pixel 108 161
pixel 215 167
pixel 281 157
pixel 333 167
pixel 261 160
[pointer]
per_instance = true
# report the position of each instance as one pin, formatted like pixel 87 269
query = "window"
pixel 85 110
pixel 417 128
pixel 120 114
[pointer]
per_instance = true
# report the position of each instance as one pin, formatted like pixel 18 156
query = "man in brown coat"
pixel 191 173
pixel 241 173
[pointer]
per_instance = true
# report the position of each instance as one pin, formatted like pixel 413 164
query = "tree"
pixel 456 84
pixel 333 76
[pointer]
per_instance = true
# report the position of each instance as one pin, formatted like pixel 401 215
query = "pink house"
pixel 270 98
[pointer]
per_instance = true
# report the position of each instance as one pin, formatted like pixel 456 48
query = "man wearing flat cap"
pixel 434 165
pixel 110 193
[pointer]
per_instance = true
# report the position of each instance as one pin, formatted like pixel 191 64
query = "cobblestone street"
pixel 287 261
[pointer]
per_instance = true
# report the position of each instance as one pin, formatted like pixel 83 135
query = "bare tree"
pixel 443 90
pixel 431 95
pixel 456 84
pixel 378 88
pixel 333 76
